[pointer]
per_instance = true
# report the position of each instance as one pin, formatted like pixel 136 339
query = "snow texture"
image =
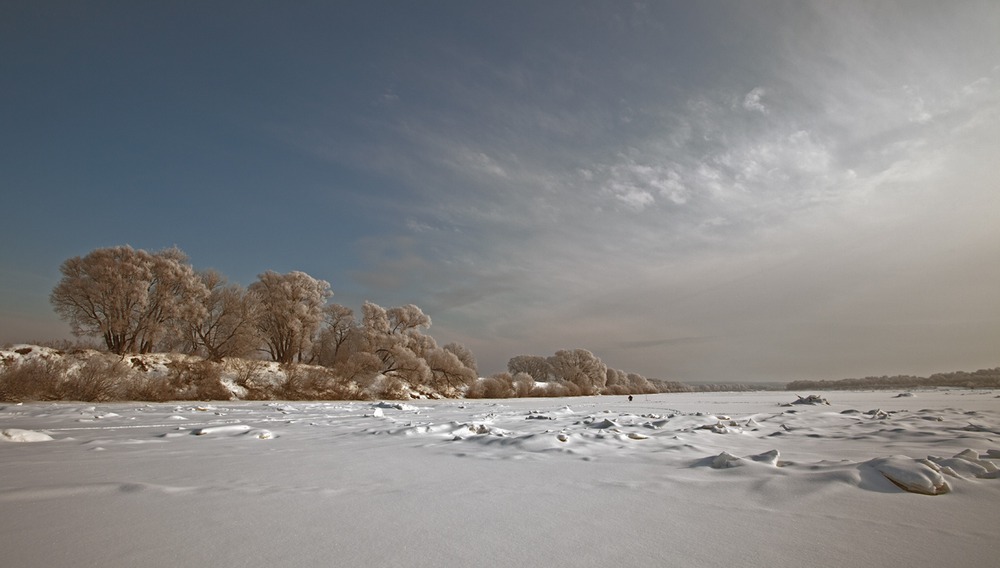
pixel 693 479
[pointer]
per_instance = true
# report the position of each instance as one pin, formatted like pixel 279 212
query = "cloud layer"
pixel 697 192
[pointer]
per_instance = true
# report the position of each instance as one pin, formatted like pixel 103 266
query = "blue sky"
pixel 692 190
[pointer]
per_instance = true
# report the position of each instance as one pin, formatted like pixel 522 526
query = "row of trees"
pixel 138 302
pixel 983 378
pixel 580 372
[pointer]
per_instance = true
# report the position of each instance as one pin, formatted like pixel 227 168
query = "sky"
pixel 694 191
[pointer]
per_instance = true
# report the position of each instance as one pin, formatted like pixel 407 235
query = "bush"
pixel 392 388
pixel 150 389
pixel 98 380
pixel 496 386
pixel 249 375
pixel 197 381
pixel 302 384
pixel 34 379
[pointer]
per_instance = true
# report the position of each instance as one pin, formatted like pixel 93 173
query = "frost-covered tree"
pixel 391 335
pixel 292 313
pixel 338 329
pixel 464 355
pixel 228 327
pixel 130 298
pixel 538 367
pixel 448 370
pixel 620 382
pixel 395 337
pixel 640 384
pixel 581 368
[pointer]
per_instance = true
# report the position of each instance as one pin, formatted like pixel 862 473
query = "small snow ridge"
pixel 227 430
pixel 605 424
pixel 17 435
pixel 395 405
pixel 812 399
pixel 915 476
pixel 966 464
pixel 722 428
pixel 726 460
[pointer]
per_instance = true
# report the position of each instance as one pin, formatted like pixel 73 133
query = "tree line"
pixel 140 302
pixel 983 378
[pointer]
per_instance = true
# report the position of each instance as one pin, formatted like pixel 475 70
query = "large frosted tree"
pixel 394 345
pixel 228 325
pixel 292 312
pixel 580 367
pixel 130 298
pixel 538 367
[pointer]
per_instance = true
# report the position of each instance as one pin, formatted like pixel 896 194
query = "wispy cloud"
pixel 752 100
pixel 553 196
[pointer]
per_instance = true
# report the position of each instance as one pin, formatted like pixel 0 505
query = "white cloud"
pixel 633 197
pixel 706 214
pixel 752 100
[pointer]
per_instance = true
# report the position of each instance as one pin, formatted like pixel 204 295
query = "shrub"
pixel 249 375
pixel 197 381
pixel 497 386
pixel 151 389
pixel 392 388
pixel 98 380
pixel 34 379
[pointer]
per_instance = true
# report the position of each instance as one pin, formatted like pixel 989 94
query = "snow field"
pixel 705 479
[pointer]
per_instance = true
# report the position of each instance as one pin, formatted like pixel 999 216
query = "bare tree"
pixel 228 326
pixel 130 298
pixel 293 311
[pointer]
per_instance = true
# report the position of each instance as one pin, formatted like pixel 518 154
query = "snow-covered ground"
pixel 695 479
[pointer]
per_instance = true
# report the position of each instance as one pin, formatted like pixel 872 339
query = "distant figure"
pixel 630 398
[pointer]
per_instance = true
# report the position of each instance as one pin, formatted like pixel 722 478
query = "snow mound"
pixel 17 435
pixel 226 430
pixel 769 458
pixel 722 428
pixel 394 405
pixel 915 476
pixel 966 464
pixel 726 460
pixel 605 424
pixel 811 399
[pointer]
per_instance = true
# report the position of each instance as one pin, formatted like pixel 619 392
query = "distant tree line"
pixel 983 378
